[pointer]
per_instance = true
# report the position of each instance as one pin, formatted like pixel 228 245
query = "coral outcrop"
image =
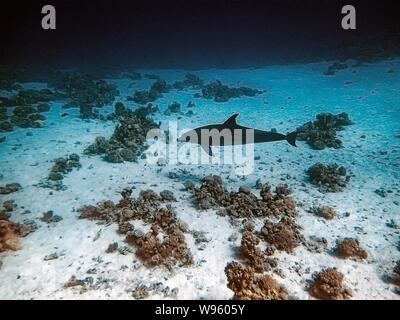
pixel 350 248
pixel 191 81
pixel 325 212
pixel 156 91
pixel 330 178
pixel 328 285
pixel 242 204
pixel 164 244
pixel 11 233
pixel 334 67
pixel 220 92
pixel 10 188
pixel 322 133
pixel 247 285
pixel 61 167
pixel 9 236
pixel 127 141
pixel 254 257
pixel 86 91
pixel 284 235
pixel 174 107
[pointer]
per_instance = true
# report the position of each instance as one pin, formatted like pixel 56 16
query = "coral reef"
pixel 157 89
pixel 350 248
pixel 212 194
pixel 127 141
pixel 27 108
pixel 322 133
pixel 190 80
pixel 325 212
pixel 284 235
pixel 174 107
pixel 85 90
pixel 163 245
pixel 9 85
pixel 221 93
pixel 247 285
pixel 331 178
pixel 10 188
pixel 328 285
pixel 27 117
pixel 32 96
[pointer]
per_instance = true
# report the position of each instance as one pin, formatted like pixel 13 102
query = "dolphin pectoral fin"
pixel 208 150
pixel 231 122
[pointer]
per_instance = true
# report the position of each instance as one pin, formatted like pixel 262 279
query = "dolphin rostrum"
pixel 230 133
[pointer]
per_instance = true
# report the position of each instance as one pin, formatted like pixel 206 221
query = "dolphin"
pixel 230 126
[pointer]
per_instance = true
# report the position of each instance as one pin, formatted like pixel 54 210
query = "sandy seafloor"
pixel 373 103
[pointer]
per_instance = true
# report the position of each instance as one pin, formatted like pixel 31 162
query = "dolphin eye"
pixel 187 139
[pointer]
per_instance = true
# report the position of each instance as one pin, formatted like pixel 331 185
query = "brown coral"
pixel 350 248
pixel 328 285
pixel 330 178
pixel 243 204
pixel 253 255
pixel 284 235
pixel 247 285
pixel 9 236
pixel 170 250
pixel 325 212
pixel 163 245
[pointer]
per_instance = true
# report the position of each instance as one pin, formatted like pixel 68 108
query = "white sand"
pixel 372 101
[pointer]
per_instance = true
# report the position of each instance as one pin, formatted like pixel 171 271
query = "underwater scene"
pixel 264 181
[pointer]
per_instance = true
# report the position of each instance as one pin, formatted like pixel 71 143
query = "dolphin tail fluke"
pixel 291 138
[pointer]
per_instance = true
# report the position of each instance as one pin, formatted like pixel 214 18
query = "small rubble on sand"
pixel 128 140
pixel 328 285
pixel 163 245
pixel 330 178
pixel 50 217
pixel 10 188
pixel 322 133
pixel 325 212
pixel 350 248
pixel 247 285
pixel 61 167
pixel 334 67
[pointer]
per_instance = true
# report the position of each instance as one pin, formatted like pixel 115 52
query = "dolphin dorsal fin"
pixel 231 120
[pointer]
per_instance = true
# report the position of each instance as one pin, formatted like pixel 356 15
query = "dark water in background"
pixel 194 34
